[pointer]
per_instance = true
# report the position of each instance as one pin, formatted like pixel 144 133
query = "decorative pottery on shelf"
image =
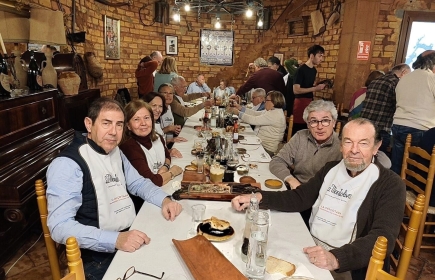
pixel 69 82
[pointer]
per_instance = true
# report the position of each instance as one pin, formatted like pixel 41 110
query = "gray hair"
pixel 320 105
pixel 176 80
pixel 260 62
pixel 259 91
pixel 364 121
pixel 401 67
pixel 156 54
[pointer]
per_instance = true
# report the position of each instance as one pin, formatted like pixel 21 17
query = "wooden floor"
pixel 34 264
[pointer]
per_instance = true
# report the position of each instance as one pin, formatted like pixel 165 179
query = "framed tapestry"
pixel 112 40
pixel 171 45
pixel 216 47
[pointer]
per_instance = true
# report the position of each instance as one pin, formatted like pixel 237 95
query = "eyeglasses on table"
pixel 132 270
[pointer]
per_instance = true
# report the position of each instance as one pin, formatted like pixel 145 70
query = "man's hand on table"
pixel 170 209
pixel 241 202
pixel 321 258
pixel 293 182
pixel 132 240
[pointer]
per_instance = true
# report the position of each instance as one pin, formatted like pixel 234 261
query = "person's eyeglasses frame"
pixel 315 123
pixel 136 271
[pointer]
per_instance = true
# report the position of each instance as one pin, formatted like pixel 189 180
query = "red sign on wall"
pixel 363 50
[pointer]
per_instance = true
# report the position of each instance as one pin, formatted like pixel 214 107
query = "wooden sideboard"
pixel 33 129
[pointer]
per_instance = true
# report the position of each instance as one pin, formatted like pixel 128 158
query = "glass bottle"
pixel 256 263
pixel 5 87
pixel 250 211
pixel 213 119
pixel 235 131
pixel 33 74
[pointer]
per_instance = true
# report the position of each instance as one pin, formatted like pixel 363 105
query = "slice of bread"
pixel 275 265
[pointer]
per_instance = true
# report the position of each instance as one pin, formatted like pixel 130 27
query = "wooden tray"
pixel 236 189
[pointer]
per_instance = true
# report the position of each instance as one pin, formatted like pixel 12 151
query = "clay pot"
pixel 69 82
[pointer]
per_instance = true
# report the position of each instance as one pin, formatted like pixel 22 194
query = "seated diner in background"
pixel 221 91
pixel 179 110
pixel 345 229
pixel 199 86
pixel 84 182
pixel 157 103
pixel 144 147
pixel 258 96
pixel 270 123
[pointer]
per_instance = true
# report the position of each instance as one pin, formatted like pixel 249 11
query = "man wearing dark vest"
pixel 179 110
pixel 88 191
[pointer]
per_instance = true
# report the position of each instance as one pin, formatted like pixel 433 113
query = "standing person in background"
pixel 263 77
pixel 274 63
pixel 304 86
pixel 198 86
pixel 167 71
pixel 380 102
pixel 355 105
pixel 415 107
pixel 291 65
pixel 145 72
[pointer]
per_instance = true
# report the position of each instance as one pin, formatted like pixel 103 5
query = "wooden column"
pixel 359 24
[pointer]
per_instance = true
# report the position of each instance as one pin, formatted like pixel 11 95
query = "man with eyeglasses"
pixel 89 187
pixel 179 110
pixel 199 86
pixel 353 201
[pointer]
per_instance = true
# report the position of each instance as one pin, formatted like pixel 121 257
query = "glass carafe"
pixel 256 263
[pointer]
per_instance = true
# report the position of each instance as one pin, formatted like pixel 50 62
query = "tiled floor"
pixel 34 264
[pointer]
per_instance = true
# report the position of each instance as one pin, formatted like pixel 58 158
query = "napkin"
pixel 205 261
pixel 262 157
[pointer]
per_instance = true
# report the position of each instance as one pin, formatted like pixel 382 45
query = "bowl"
pixel 247 180
pixel 273 183
pixel 242 169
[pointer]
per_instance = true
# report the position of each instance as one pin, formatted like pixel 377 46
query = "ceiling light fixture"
pixel 187 7
pixel 176 15
pixel 249 13
pixel 260 23
pixel 217 24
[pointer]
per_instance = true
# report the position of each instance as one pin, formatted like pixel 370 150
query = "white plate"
pixel 250 140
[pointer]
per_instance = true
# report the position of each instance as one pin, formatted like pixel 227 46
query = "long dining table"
pixel 288 234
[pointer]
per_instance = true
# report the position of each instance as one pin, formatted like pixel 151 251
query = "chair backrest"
pixel 123 96
pixel 410 231
pixel 377 259
pixel 416 175
pixel 49 243
pixel 290 128
pixel 338 128
pixel 75 263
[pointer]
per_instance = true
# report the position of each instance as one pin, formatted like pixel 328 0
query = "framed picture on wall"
pixel 171 45
pixel 112 40
pixel 280 56
pixel 216 47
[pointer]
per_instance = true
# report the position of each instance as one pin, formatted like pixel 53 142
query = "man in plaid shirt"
pixel 380 102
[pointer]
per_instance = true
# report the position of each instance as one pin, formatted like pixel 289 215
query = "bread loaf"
pixel 275 265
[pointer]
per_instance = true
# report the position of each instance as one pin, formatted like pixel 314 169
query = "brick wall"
pixel 139 40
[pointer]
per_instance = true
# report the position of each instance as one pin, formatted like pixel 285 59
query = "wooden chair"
pixel 289 128
pixel 374 271
pixel 49 243
pixel 338 127
pixel 409 230
pixel 411 175
pixel 75 263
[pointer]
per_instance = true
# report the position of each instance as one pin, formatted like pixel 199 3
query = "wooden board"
pixel 237 189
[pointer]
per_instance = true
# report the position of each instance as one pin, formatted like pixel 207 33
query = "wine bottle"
pixel 235 131
pixel 5 87
pixel 33 74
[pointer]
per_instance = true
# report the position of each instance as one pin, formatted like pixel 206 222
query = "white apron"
pixel 155 155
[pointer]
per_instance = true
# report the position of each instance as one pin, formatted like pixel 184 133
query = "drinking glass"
pixel 216 173
pixel 200 162
pixel 198 211
pixel 198 145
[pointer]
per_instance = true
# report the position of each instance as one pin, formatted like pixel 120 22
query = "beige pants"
pixel 341 276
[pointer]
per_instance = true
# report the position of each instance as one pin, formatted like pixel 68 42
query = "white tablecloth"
pixel 287 234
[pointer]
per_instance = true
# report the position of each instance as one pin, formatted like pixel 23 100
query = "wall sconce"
pixel 176 16
pixel 217 24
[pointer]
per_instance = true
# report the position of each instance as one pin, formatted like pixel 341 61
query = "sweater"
pixel 415 100
pixel 302 157
pixel 265 78
pixel 271 125
pixel 380 214
pixel 134 153
pixel 181 112
pixel 145 77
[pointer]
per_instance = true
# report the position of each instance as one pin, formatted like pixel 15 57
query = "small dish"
pixel 241 151
pixel 273 183
pixel 203 228
pixel 247 180
pixel 242 169
pixel 190 168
